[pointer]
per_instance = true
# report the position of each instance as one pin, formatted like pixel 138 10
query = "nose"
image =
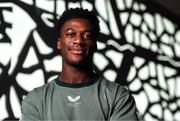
pixel 78 39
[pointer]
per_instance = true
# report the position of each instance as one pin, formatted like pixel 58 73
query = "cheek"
pixel 64 46
pixel 64 43
pixel 93 45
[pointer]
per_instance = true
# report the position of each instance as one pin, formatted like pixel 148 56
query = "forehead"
pixel 77 23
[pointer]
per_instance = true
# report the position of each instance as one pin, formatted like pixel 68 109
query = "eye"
pixel 70 34
pixel 87 36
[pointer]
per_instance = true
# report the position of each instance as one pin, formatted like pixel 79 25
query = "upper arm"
pixel 29 109
pixel 124 107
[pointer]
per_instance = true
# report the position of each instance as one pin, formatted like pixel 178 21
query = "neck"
pixel 75 75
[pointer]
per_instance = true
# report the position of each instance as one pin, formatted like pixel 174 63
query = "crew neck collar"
pixel 79 85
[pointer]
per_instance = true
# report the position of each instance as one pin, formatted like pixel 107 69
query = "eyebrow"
pixel 69 29
pixel 87 30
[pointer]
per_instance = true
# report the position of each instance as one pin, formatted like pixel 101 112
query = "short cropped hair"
pixel 79 13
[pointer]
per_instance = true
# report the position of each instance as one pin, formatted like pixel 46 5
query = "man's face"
pixel 76 41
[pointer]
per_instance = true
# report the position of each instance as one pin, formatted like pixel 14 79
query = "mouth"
pixel 77 51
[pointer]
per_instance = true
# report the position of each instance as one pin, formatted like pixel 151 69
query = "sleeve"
pixel 124 107
pixel 29 111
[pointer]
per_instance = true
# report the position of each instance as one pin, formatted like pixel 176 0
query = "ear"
pixel 95 47
pixel 59 44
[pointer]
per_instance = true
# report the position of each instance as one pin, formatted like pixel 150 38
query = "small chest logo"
pixel 73 101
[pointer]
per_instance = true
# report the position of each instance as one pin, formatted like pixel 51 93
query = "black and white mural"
pixel 139 46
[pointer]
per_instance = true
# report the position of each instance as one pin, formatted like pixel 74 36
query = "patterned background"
pixel 139 46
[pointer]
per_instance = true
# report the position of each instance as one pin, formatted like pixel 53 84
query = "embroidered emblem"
pixel 71 99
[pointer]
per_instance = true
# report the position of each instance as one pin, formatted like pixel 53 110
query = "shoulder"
pixel 116 95
pixel 32 104
pixel 113 87
pixel 38 93
pixel 121 102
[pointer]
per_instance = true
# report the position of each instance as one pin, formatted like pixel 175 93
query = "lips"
pixel 77 50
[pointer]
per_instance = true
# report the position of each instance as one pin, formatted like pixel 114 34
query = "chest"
pixel 75 105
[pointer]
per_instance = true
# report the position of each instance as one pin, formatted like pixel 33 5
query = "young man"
pixel 79 93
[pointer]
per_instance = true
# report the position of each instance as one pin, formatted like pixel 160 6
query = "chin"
pixel 80 63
